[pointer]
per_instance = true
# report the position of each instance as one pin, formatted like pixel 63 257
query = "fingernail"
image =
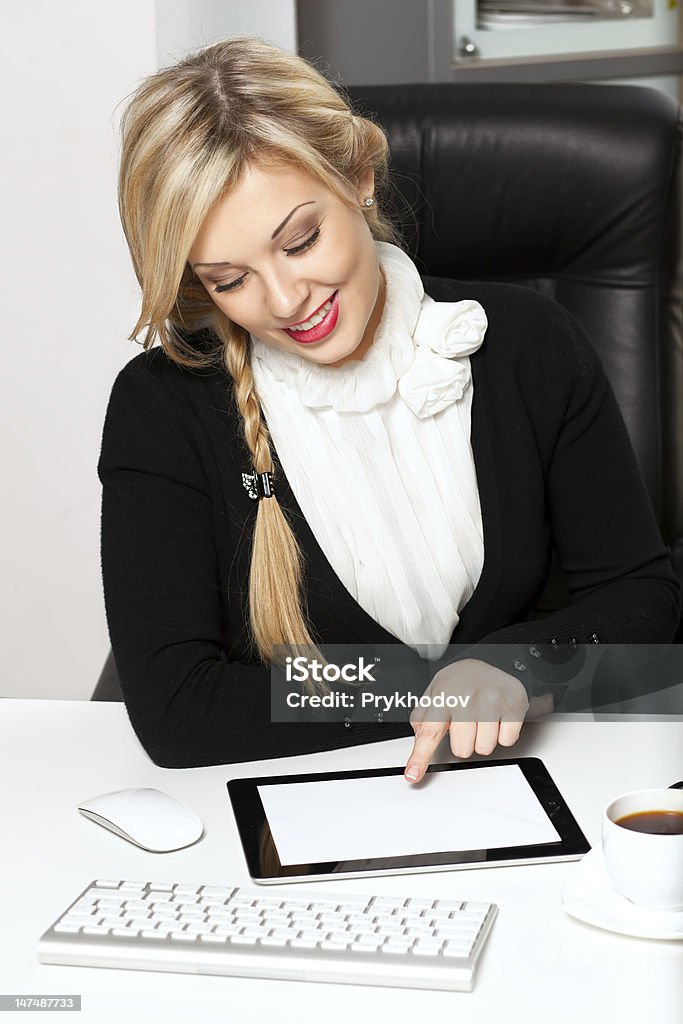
pixel 413 773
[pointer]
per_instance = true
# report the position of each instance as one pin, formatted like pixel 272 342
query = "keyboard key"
pixel 301 943
pixel 396 946
pixel 97 894
pixel 218 890
pixel 111 922
pixel 255 931
pixel 426 947
pixel 458 927
pixel 355 918
pixel 165 920
pixel 456 949
pixel 274 940
pixel 440 914
pixel 470 915
pixel 387 902
pixel 106 883
pixel 296 904
pixel 138 922
pixel 277 919
pixel 198 929
pixel 466 938
pixel 82 916
pixel 220 917
pixel 225 930
pixel 366 946
pixel 304 925
pixel 133 905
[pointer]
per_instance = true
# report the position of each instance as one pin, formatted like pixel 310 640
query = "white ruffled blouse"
pixel 378 455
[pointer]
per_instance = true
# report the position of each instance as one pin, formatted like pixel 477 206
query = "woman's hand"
pixel 494 714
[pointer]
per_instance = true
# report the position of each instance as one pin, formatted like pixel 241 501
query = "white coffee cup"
pixel 645 867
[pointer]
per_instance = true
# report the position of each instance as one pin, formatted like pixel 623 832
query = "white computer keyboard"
pixel 306 936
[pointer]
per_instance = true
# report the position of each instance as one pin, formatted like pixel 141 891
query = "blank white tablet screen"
pixel 358 819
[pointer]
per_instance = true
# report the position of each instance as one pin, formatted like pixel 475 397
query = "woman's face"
pixel 287 260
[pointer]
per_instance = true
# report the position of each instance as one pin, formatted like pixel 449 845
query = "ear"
pixel 366 184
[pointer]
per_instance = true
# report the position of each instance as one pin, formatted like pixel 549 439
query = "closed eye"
pixel 232 285
pixel 306 244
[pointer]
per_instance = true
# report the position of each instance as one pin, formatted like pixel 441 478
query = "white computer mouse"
pixel 147 817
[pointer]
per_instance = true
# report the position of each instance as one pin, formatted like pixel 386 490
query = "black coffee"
pixel 661 823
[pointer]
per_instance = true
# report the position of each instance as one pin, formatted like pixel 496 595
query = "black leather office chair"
pixel 575 190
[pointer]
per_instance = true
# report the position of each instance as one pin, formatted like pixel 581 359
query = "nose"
pixel 286 293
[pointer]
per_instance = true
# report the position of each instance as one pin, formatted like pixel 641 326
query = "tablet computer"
pixel 372 822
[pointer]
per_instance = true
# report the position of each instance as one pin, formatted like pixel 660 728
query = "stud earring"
pixel 369 201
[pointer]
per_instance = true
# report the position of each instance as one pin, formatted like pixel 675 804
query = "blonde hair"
pixel 187 134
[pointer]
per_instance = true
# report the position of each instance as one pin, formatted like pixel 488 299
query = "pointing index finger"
pixel 428 737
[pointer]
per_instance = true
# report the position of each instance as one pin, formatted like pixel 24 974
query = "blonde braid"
pixel 276 573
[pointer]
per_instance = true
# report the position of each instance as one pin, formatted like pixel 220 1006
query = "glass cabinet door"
pixel 511 29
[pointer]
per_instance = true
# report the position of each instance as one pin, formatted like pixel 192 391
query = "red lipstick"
pixel 321 330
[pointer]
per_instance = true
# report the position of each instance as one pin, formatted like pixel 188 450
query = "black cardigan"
pixel 554 467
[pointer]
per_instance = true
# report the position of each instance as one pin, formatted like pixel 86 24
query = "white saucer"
pixel 589 895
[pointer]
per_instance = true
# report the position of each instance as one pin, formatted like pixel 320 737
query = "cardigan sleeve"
pixel 189 703
pixel 622 585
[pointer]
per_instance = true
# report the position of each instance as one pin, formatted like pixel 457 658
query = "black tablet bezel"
pixel 252 824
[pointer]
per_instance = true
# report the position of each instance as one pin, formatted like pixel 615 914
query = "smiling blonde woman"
pixel 326 448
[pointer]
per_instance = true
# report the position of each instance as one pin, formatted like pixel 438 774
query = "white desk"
pixel 539 965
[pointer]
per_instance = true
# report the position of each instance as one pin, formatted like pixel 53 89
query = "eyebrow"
pixel 278 229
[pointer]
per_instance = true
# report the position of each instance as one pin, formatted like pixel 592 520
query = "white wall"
pixel 69 303
pixel 186 24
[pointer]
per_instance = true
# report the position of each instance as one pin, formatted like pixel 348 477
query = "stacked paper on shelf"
pixel 525 13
